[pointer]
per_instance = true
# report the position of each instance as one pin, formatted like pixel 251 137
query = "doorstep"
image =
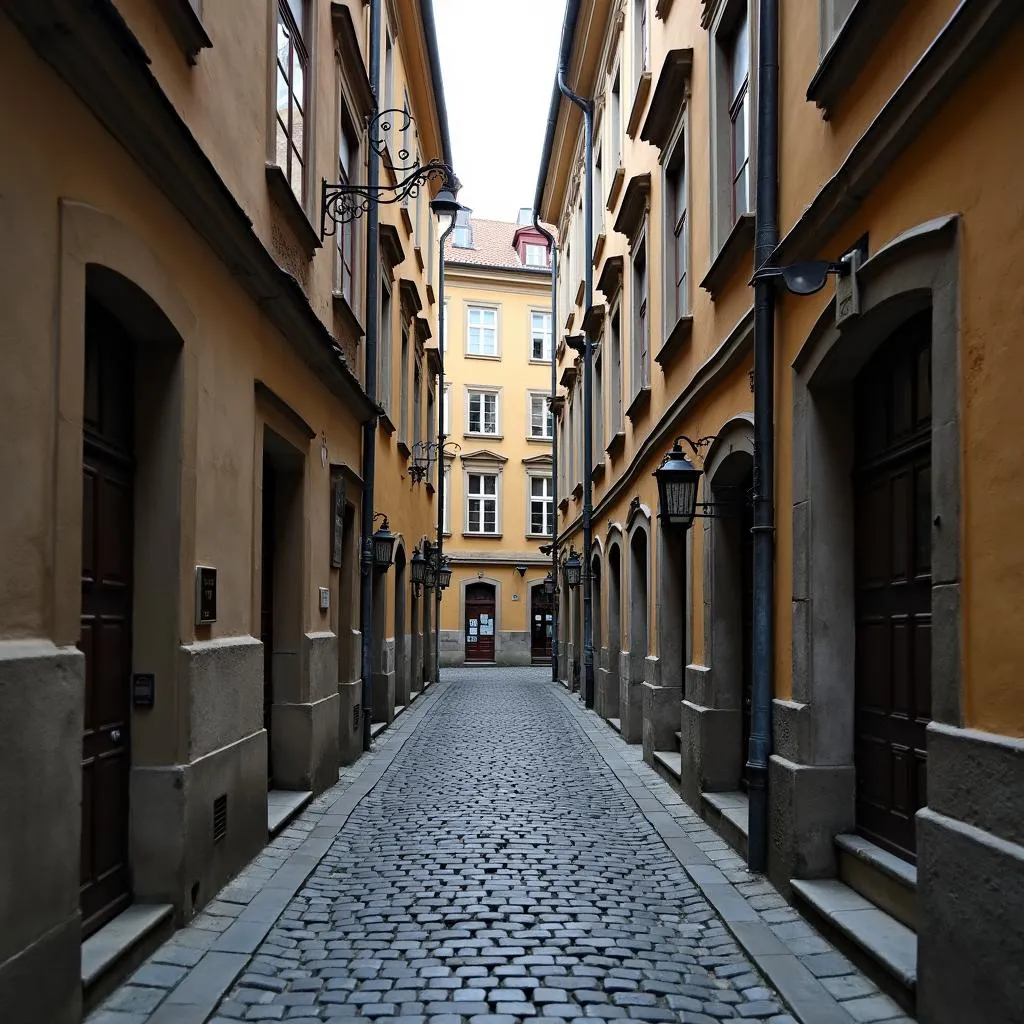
pixel 884 946
pixel 728 815
pixel 376 728
pixel 669 765
pixel 282 806
pixel 616 724
pixel 882 878
pixel 110 954
pixel 399 708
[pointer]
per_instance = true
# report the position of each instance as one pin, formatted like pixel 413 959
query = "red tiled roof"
pixel 492 247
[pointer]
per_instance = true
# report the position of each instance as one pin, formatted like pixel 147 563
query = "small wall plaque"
pixel 206 595
pixel 325 599
pixel 143 689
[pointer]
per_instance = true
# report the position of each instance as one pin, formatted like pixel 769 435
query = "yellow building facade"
pixel 499 503
pixel 183 399
pixel 895 721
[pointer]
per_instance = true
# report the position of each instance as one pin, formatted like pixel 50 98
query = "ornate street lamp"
pixel 444 576
pixel 549 584
pixel 573 569
pixel 417 567
pixel 430 573
pixel 383 544
pixel 343 202
pixel 677 480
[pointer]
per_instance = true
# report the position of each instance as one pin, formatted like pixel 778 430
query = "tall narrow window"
pixel 676 187
pixel 483 331
pixel 482 503
pixel 540 336
pixel 417 403
pixel 597 422
pixel 598 210
pixel 446 410
pixel 615 122
pixel 389 86
pixel 345 236
pixel 482 414
pixel 446 510
pixel 542 506
pixel 292 93
pixel 615 369
pixel 739 114
pixel 641 55
pixel 541 420
pixel 536 255
pixel 384 352
pixel 641 326
pixel 403 376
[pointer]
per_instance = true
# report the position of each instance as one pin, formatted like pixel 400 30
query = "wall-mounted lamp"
pixel 521 569
pixel 383 544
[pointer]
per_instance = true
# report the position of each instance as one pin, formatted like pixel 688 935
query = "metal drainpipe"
pixel 765 240
pixel 441 436
pixel 554 441
pixel 588 366
pixel 370 427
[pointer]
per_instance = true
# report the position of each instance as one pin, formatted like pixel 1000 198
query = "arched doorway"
pixel 480 624
pixel 610 708
pixel 639 635
pixel 595 614
pixel 401 638
pixel 542 622
pixel 893 581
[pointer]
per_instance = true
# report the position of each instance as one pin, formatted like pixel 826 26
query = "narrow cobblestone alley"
pixel 515 859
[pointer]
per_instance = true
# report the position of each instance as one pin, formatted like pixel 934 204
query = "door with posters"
pixel 480 624
pixel 542 621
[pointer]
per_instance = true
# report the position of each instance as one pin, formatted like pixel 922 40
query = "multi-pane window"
pixel 615 368
pixel 598 204
pixel 676 182
pixel 482 339
pixel 482 417
pixel 641 325
pixel 403 389
pixel 292 93
pixel 542 506
pixel 615 121
pixel 446 410
pixel 597 423
pixel 384 348
pixel 389 85
pixel 345 237
pixel 447 503
pixel 540 336
pixel 417 403
pixel 641 55
pixel 536 255
pixel 482 503
pixel 541 420
pixel 738 48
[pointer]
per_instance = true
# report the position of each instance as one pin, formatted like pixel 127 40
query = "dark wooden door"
pixel 542 623
pixel 893 587
pixel 267 556
pixel 480 624
pixel 106 628
pixel 746 541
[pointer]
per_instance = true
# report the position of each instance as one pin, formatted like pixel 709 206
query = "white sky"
pixel 498 65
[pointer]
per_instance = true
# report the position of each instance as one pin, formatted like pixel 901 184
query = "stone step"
pixel 883 946
pixel 282 806
pixel 679 741
pixel 669 765
pixel 120 946
pixel 616 724
pixel 882 878
pixel 727 814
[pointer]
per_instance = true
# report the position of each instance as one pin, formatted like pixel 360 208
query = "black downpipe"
pixel 588 368
pixel 370 427
pixel 765 240
pixel 553 249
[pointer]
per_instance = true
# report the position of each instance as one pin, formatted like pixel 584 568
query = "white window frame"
pixel 834 14
pixel 446 511
pixel 483 393
pixel 547 338
pixel 549 510
pixel 641 41
pixel 615 122
pixel 678 153
pixel 477 307
pixel 348 234
pixel 532 397
pixel 540 252
pixel 446 399
pixel 385 342
pixel 616 395
pixel 640 306
pixel 482 471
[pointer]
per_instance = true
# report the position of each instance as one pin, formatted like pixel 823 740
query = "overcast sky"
pixel 498 65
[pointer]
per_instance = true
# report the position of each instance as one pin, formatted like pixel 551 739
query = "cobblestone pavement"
pixel 515 859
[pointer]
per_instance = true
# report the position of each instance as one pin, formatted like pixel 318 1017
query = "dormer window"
pixel 536 255
pixel 463 235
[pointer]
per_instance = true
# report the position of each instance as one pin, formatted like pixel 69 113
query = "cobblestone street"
pixel 501 855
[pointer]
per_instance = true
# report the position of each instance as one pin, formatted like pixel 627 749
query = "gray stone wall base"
pixel 607 698
pixel 631 707
pixel 172 843
pixel 711 751
pixel 305 744
pixel 350 726
pixel 660 718
pixel 453 643
pixel 808 806
pixel 43 981
pixel 403 676
pixel 41 725
pixel 513 648
pixel 970 900
pixel 383 696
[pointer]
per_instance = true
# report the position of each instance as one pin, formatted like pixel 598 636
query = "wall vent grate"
pixel 220 817
pixel 355 716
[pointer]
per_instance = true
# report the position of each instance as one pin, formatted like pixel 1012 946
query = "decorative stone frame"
pixel 634 663
pixel 607 698
pixel 812 771
pixel 712 704
pixel 492 581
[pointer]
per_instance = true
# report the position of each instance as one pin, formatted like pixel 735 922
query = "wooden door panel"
pixel 479 603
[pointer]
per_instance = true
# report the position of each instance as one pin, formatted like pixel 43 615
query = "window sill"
pixel 613 193
pixel 485 536
pixel 344 309
pixel 640 405
pixel 482 437
pixel 579 292
pixel 186 27
pixel 403 449
pixel 677 338
pixel 430 293
pixel 538 536
pixel 845 59
pixel 540 362
pixel 577 491
pixel 418 253
pixel 598 249
pixel 643 90
pixel 298 220
pixel 597 472
pixel 616 443
pixel 563 505
pixel 662 9
pixel 406 220
pixel 431 489
pixel 740 243
pixel 473 355
pixel 538 440
pixel 385 422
